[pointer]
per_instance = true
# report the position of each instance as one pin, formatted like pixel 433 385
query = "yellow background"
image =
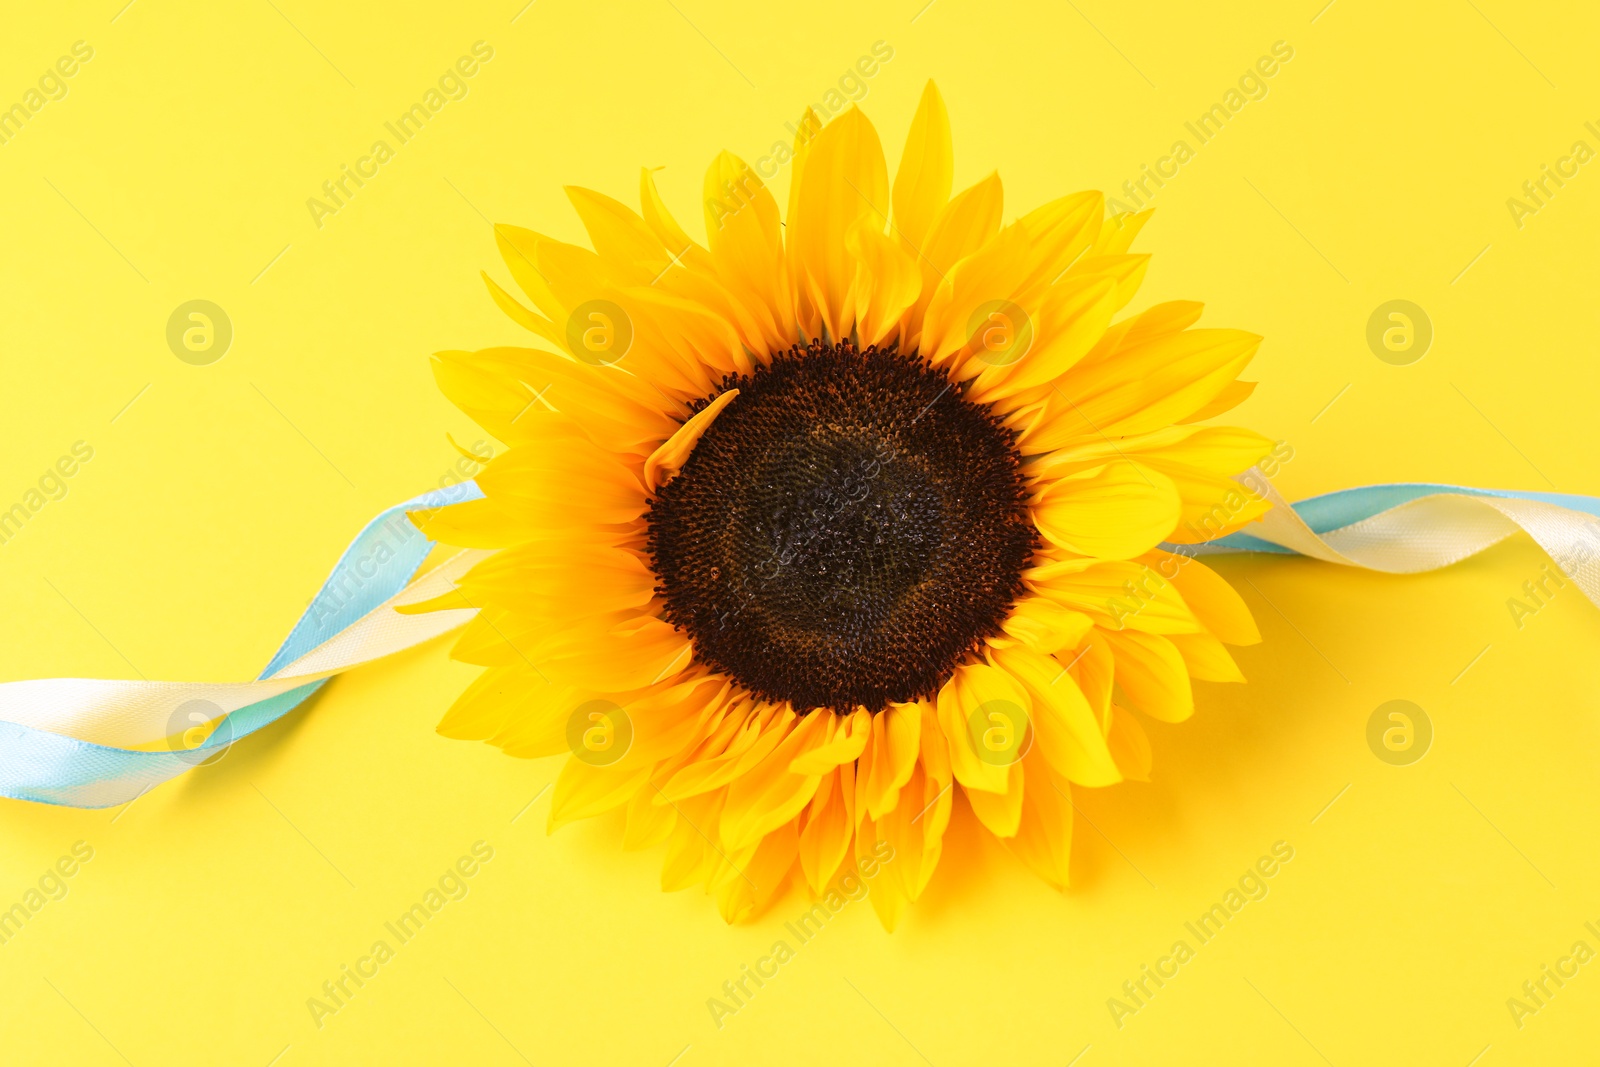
pixel 1377 167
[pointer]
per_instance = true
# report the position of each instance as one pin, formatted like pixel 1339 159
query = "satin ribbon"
pixel 93 743
pixel 1405 528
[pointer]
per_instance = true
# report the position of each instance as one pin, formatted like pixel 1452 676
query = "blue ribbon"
pixel 1336 510
pixel 53 768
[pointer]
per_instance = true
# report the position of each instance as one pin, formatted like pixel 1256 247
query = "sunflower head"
pixel 806 532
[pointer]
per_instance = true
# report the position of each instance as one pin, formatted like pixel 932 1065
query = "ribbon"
pixel 1405 528
pixel 92 743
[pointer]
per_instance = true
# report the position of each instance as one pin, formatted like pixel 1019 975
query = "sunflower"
pixel 803 533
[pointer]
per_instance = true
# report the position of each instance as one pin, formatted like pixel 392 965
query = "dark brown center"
pixel 845 532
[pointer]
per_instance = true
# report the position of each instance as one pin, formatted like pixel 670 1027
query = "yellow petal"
pixel 665 227
pixel 968 290
pixel 1119 595
pixel 769 794
pixel 922 184
pixel 745 884
pixel 1124 273
pixel 523 316
pixel 960 228
pixel 899 853
pixel 1129 745
pixel 908 841
pixel 619 236
pixel 1205 658
pixel 556 276
pixel 886 284
pixel 1000 813
pixel 477 524
pixel 746 238
pixel 1152 383
pixel 887 890
pixel 583 791
pixel 691 856
pixel 1152 674
pixel 561 466
pixel 519 249
pixel 648 824
pixel 1044 625
pixel 985 715
pixel 1115 511
pixel 666 461
pixel 568 579
pixel 501 695
pixel 671 716
pixel 757 737
pixel 677 345
pixel 494 637
pixel 626 657
pixel 1231 396
pixel 1059 233
pixel 1070 319
pixel 808 309
pixel 825 840
pixel 845 182
pixel 1213 505
pixel 890 756
pixel 1214 602
pixel 1154 323
pixel 1065 727
pixel 720 726
pixel 558 478
pixel 970 220
pixel 1093 667
pixel 1162 319
pixel 1117 233
pixel 499 387
pixel 847 740
pixel 1044 832
pixel 1222 450
pixel 750 318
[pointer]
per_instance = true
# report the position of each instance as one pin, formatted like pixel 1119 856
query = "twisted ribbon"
pixel 92 743
pixel 1405 528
